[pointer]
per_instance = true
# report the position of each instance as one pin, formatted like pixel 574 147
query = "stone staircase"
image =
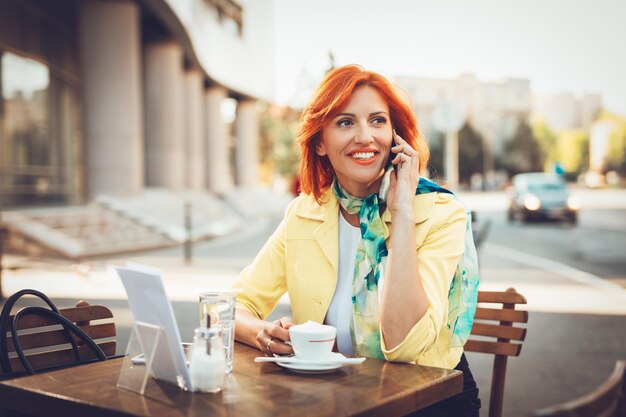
pixel 166 212
pixel 77 232
pixel 157 218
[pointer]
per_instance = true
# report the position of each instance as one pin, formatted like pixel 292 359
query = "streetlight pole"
pixel 448 117
pixel 188 238
pixel 452 160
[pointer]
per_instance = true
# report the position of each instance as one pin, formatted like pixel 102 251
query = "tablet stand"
pixel 140 354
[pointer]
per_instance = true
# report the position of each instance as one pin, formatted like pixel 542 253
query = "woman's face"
pixel 357 142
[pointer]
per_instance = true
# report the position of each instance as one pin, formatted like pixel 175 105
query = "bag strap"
pixel 69 326
pixel 5 363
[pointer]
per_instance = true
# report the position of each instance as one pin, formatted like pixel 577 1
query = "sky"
pixel 576 46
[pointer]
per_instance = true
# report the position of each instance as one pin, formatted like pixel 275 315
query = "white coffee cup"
pixel 312 340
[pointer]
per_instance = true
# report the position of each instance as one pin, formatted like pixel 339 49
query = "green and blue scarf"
pixel 371 258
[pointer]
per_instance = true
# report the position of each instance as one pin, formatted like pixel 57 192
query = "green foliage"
pixel 435 163
pixel 616 155
pixel 471 153
pixel 548 141
pixel 523 152
pixel 573 150
pixel 569 148
pixel 277 131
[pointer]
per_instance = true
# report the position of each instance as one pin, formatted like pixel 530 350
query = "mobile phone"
pixel 393 143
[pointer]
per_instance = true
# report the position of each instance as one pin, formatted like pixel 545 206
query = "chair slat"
pixel 498 307
pixel 58 337
pixel 496 348
pixel 61 357
pixel 75 314
pixel 45 343
pixel 503 297
pixel 496 330
pixel 516 316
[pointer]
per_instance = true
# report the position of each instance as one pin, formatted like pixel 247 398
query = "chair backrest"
pixel 608 400
pixel 494 319
pixel 46 345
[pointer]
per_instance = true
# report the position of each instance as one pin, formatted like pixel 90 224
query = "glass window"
pixel 36 149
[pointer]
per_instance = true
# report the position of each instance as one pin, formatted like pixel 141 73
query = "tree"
pixel 471 153
pixel 548 141
pixel 277 132
pixel 523 153
pixel 435 163
pixel 573 150
pixel 616 153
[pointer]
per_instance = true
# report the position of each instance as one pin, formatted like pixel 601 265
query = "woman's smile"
pixel 364 156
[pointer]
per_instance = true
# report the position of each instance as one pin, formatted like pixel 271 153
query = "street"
pixel 591 246
pixel 572 277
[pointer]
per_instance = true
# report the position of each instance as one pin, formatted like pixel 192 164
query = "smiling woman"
pixel 329 103
pixel 357 142
pixel 369 247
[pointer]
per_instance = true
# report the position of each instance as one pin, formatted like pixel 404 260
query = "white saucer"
pixel 310 368
pixel 329 363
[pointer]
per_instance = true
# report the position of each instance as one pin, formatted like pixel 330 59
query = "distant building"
pixel 493 108
pixel 565 111
pixel 109 97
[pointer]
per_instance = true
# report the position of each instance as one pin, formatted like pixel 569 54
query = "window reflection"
pixel 34 141
pixel 22 77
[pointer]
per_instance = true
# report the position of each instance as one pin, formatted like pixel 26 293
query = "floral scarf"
pixel 371 258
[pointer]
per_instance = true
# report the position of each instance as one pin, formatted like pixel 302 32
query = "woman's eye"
pixel 379 120
pixel 344 122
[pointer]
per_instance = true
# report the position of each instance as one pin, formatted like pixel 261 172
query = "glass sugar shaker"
pixel 207 362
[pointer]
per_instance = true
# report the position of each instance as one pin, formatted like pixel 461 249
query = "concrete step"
pixel 78 232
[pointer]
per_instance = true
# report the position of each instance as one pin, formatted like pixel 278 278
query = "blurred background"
pixel 162 132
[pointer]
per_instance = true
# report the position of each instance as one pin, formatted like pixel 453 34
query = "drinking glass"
pixel 219 307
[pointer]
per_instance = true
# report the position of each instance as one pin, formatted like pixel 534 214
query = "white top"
pixel 340 310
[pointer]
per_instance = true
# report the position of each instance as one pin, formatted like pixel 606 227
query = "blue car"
pixel 541 195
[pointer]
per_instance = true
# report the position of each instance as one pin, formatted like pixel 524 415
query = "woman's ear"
pixel 320 149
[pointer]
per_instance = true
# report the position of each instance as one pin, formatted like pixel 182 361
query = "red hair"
pixel 332 95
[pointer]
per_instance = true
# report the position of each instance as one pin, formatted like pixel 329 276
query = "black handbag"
pixel 72 332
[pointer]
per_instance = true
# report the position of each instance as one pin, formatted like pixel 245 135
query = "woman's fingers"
pixel 400 159
pixel 278 347
pixel 286 322
pixel 404 153
pixel 277 331
pixel 273 337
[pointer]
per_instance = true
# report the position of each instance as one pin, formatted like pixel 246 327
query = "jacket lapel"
pixel 327 233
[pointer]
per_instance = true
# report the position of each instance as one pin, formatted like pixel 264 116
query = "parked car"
pixel 540 195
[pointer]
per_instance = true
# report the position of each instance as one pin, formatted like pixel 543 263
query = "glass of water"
pixel 219 308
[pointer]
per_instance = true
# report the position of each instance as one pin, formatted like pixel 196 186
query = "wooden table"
pixel 374 388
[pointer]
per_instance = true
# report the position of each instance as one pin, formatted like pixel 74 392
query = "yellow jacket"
pixel 302 257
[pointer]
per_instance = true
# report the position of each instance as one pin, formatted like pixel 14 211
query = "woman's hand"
pixel 271 339
pixel 404 179
pixel 404 300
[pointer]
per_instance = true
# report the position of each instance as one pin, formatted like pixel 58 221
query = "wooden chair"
pixel 608 400
pixel 497 322
pixel 46 345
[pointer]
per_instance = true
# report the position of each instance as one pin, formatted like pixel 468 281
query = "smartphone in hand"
pixel 393 143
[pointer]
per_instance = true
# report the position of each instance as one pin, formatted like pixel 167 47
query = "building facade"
pixel 493 108
pixel 107 97
pixel 564 111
